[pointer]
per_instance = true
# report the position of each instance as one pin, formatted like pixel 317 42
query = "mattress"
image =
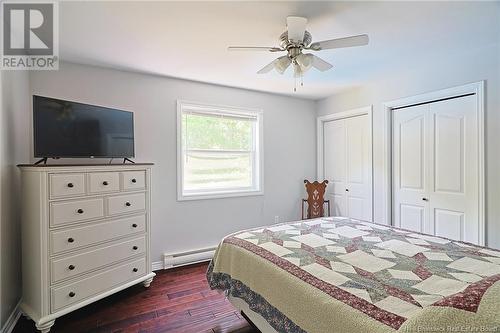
pixel 343 275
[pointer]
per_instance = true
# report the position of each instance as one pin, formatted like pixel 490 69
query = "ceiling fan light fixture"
pixel 305 61
pixel 298 72
pixel 281 64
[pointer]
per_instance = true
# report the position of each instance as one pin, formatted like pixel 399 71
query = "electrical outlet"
pixel 277 219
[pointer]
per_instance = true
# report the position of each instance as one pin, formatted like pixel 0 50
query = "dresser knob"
pixel 70 185
pixel 70 240
pixel 134 247
pixel 134 225
pixel 105 183
pixel 80 211
pixel 71 267
pixel 128 204
pixel 134 180
pixel 135 270
pixel 71 294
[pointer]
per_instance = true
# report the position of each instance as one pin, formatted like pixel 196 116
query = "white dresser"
pixel 85 235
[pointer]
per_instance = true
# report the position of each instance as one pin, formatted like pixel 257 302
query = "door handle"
pixel 425 199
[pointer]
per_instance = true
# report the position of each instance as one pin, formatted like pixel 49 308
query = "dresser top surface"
pixel 51 168
pixel 82 165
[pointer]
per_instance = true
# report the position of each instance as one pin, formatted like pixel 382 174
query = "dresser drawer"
pixel 77 237
pixel 134 180
pixel 66 184
pixel 98 283
pixel 73 211
pixel 103 182
pixel 73 265
pixel 126 203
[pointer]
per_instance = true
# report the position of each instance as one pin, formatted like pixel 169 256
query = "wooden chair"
pixel 315 199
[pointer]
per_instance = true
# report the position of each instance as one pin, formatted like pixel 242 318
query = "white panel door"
pixel 453 178
pixel 358 168
pixel 410 131
pixel 435 169
pixel 348 166
pixel 335 166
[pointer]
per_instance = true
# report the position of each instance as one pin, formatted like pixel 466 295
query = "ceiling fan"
pixel 295 40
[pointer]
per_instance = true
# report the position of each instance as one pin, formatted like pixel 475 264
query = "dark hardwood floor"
pixel 178 300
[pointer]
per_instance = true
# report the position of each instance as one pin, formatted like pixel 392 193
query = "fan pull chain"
pixel 301 82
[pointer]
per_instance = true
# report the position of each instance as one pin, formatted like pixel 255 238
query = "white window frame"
pixel 258 161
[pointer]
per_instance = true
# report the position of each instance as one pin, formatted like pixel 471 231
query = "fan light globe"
pixel 298 72
pixel 305 61
pixel 282 64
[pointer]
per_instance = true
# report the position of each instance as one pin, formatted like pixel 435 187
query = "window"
pixel 219 151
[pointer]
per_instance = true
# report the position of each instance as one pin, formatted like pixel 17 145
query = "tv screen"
pixel 71 129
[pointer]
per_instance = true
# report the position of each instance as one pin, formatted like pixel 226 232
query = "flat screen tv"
pixel 70 129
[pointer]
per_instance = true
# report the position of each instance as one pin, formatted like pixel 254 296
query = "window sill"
pixel 219 195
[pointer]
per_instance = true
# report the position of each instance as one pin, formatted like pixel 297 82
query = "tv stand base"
pixel 44 160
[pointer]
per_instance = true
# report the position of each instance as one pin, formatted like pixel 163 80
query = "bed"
pixel 341 275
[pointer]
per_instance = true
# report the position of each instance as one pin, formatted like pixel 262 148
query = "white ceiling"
pixel 189 39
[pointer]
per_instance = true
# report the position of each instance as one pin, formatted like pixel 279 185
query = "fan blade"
pixel 359 40
pixel 320 64
pixel 296 27
pixel 254 48
pixel 267 68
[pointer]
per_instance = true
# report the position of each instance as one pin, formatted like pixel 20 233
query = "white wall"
pixel 289 141
pixel 14 145
pixel 429 74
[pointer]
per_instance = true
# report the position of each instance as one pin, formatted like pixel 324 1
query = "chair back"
pixel 315 199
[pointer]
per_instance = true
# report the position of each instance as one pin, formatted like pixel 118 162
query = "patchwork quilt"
pixel 347 276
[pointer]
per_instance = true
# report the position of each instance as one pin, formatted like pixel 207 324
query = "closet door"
pixel 348 166
pixel 454 183
pixel 334 136
pixel 435 169
pixel 358 168
pixel 410 174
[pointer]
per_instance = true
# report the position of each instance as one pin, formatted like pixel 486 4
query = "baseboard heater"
pixel 171 260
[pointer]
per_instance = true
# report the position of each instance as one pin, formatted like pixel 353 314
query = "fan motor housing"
pixel 286 44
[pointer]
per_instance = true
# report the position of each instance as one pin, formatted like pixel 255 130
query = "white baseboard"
pixel 172 260
pixel 157 265
pixel 12 320
pixel 178 259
